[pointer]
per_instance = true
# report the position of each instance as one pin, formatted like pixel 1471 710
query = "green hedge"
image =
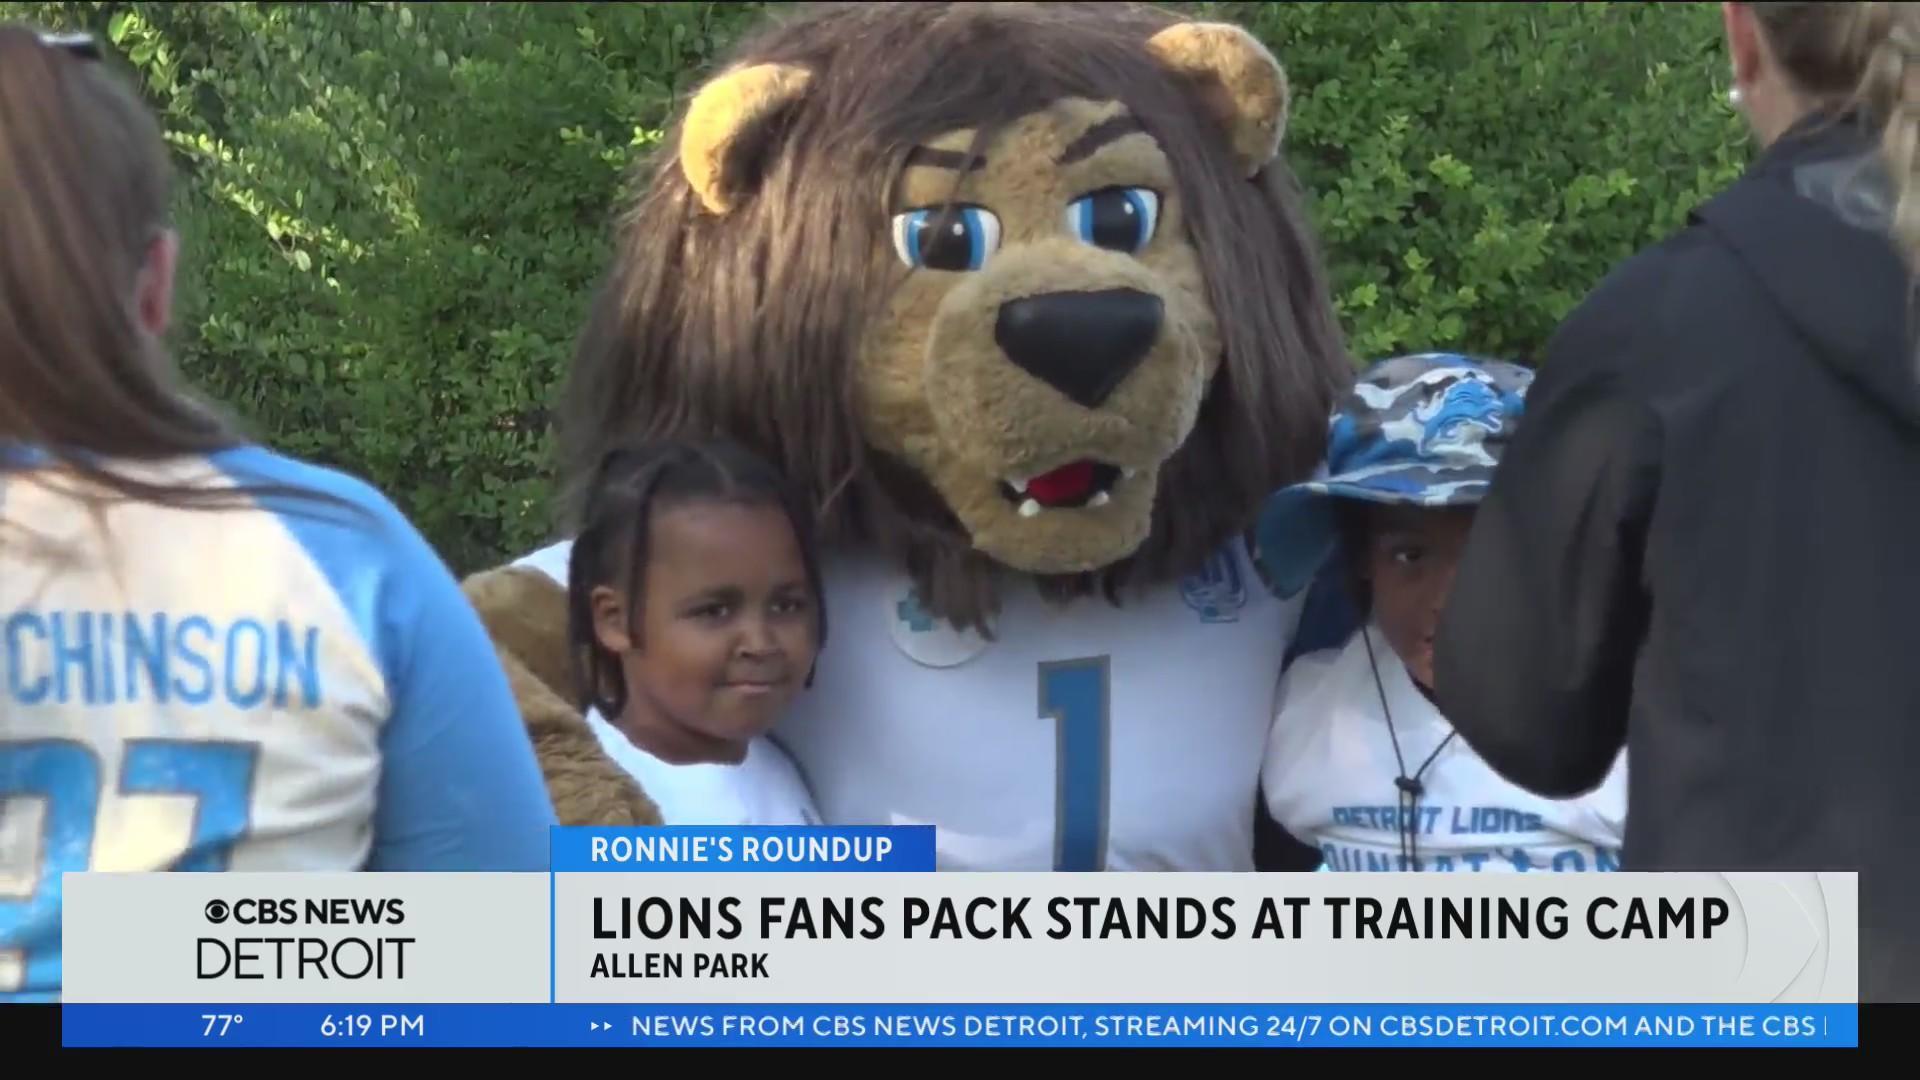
pixel 395 212
pixel 1479 167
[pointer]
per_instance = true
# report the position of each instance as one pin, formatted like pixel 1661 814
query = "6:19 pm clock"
pixel 362 1025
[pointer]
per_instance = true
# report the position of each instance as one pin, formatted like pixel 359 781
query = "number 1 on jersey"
pixel 1074 694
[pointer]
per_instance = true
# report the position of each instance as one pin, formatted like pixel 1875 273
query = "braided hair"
pixel 630 485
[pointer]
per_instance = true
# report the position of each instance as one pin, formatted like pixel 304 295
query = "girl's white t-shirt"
pixel 1330 769
pixel 764 789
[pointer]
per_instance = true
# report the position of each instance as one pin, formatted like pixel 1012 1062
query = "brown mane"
pixel 748 324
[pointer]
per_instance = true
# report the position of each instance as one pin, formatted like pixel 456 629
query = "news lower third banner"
pixel 847 936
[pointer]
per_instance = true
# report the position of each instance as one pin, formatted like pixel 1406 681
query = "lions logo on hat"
pixel 1469 402
pixel 1423 430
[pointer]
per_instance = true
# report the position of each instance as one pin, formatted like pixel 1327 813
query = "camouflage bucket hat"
pixel 1423 430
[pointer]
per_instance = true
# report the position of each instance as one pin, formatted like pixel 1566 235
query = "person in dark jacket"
pixel 1704 545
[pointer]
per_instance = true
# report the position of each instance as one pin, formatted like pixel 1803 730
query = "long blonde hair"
pixel 1861 55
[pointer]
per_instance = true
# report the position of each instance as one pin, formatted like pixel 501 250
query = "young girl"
pixel 216 657
pixel 695 616
pixel 1362 765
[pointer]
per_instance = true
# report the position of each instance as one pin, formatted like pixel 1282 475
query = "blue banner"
pixel 744 848
pixel 959 1025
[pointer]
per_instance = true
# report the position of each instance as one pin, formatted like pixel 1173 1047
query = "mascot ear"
pixel 721 138
pixel 1244 85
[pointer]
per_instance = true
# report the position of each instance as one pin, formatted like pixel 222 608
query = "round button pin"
pixel 925 638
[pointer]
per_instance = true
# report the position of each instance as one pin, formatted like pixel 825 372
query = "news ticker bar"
pixel 877 1024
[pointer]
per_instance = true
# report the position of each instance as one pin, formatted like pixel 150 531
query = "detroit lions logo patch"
pixel 1218 591
pixel 1467 403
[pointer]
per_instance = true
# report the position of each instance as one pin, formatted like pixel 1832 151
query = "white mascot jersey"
pixel 1084 737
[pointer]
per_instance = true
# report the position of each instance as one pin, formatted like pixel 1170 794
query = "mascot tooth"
pixel 1025 297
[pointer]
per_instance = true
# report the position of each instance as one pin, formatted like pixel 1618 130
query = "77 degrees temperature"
pixel 223 1021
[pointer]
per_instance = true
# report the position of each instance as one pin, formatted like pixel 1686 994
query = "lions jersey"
pixel 293 686
pixel 1082 737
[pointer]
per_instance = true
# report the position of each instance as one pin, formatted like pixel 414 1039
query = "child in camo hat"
pixel 1361 764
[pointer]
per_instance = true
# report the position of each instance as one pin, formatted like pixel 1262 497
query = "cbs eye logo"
pixel 253 912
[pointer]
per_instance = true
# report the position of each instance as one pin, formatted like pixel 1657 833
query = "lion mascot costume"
pixel 1024 297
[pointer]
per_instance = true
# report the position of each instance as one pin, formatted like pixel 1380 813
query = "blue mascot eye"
pixel 937 240
pixel 1115 218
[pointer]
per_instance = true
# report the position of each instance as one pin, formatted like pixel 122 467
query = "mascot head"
pixel 1007 286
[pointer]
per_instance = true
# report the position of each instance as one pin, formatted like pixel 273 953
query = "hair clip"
pixel 83 46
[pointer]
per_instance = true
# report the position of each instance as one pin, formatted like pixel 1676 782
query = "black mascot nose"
pixel 1081 343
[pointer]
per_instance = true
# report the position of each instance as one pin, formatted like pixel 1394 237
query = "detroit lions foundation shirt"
pixel 1331 770
pixel 292 686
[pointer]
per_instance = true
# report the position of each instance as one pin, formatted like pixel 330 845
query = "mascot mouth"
pixel 1082 483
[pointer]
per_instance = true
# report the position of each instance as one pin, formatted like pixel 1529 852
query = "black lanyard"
pixel 1410 787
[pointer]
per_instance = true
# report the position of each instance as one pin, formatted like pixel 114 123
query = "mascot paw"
pixel 525 613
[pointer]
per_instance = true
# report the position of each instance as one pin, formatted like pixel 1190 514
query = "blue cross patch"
pixel 909 611
pixel 926 638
